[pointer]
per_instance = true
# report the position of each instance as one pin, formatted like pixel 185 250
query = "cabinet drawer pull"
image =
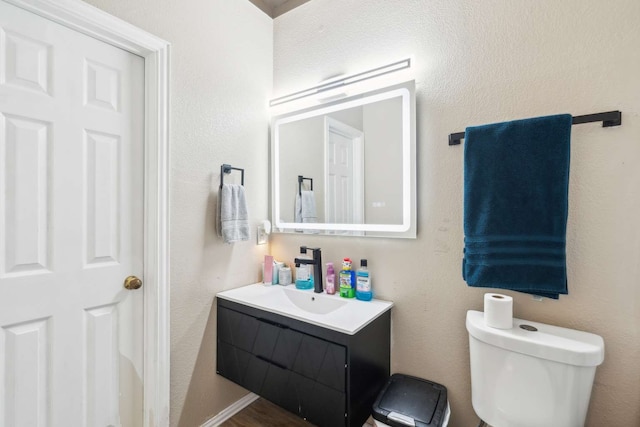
pixel 271 362
pixel 271 322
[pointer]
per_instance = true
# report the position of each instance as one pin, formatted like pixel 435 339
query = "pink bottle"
pixel 330 280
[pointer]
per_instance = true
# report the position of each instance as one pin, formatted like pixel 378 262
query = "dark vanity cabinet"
pixel 326 377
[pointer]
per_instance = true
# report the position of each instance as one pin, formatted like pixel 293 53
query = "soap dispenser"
pixel 330 280
pixel 304 278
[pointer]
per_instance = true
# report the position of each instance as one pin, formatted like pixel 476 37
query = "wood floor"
pixel 263 413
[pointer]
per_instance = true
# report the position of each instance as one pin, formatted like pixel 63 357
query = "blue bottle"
pixel 304 277
pixel 363 282
pixel 304 280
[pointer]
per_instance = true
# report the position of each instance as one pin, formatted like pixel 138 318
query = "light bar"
pixel 355 78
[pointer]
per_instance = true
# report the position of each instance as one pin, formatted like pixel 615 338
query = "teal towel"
pixel 516 181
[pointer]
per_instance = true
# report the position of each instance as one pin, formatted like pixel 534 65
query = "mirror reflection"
pixel 348 167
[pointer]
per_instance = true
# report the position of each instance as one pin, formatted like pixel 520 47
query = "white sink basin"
pixel 346 315
pixel 314 303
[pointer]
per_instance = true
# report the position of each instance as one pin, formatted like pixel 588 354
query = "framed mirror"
pixel 347 167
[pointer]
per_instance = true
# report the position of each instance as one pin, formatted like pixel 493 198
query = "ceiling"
pixel 275 8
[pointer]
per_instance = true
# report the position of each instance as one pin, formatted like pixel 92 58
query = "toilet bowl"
pixel 532 375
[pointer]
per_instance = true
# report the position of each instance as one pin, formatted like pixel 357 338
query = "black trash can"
pixel 407 400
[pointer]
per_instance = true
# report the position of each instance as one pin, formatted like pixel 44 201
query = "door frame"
pixel 89 20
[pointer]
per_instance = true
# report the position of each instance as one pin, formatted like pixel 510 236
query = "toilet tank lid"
pixel 547 342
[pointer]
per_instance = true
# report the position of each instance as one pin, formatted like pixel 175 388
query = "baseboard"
pixel 231 410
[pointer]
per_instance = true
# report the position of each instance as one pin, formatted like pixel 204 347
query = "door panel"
pixel 339 179
pixel 26 350
pixel 27 62
pixel 101 324
pixel 344 173
pixel 71 180
pixel 101 169
pixel 25 160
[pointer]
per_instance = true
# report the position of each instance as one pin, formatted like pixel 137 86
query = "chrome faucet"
pixel 317 266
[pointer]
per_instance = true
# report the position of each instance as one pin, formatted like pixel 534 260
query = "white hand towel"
pixel 297 214
pixel 308 207
pixel 233 216
pixel 306 210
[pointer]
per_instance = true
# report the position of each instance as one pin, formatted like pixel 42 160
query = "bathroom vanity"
pixel 291 347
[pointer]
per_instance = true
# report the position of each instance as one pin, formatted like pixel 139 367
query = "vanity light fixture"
pixel 355 78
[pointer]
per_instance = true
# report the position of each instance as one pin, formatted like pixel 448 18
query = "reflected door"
pixel 344 173
pixel 71 141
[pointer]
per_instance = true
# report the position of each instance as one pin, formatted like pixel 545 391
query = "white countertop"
pixel 346 315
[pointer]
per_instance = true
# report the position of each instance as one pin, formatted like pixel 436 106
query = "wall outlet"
pixel 262 235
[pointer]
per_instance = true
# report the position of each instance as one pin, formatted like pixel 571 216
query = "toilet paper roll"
pixel 498 311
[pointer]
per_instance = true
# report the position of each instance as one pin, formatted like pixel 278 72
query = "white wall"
pixel 221 76
pixel 301 153
pixel 479 62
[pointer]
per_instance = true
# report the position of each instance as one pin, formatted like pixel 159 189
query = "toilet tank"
pixel 532 375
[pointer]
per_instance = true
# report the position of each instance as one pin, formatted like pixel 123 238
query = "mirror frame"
pixel 407 229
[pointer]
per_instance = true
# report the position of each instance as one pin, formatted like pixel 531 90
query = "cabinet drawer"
pixel 311 357
pixel 237 329
pixel 304 354
pixel 321 361
pixel 317 403
pixel 277 389
pixel 232 363
pixel 252 372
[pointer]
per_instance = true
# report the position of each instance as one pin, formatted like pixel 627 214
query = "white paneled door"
pixel 71 213
pixel 344 173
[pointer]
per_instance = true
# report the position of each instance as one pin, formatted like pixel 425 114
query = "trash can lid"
pixel 407 400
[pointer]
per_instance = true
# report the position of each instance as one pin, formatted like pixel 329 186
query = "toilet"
pixel 532 375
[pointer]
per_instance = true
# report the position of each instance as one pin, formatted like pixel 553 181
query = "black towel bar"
pixel 609 118
pixel 225 168
pixel 300 179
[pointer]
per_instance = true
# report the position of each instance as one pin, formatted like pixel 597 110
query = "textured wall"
pixel 221 76
pixel 475 63
pixel 482 62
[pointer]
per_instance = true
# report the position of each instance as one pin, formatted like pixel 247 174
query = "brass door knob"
pixel 132 283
